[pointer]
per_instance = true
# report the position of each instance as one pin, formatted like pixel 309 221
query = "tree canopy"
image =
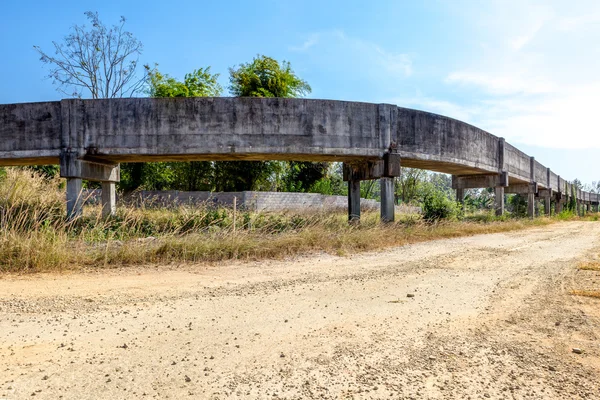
pixel 199 83
pixel 266 77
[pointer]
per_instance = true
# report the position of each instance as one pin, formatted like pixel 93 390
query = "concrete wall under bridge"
pixel 246 200
pixel 89 138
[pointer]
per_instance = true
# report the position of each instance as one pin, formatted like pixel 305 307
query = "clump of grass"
pixel 589 266
pixel 586 293
pixel 35 236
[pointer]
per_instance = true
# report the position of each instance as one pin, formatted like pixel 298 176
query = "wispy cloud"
pixel 308 43
pixel 540 85
pixel 348 47
pixel 500 83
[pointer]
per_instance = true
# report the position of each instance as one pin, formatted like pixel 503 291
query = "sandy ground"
pixel 487 316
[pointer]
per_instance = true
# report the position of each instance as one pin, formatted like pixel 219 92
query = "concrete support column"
pixel 387 199
pixel 588 207
pixel 74 198
pixel 354 200
pixel 559 206
pixel 578 208
pixel 460 196
pixel 499 200
pixel 109 199
pixel 531 205
pixel 547 205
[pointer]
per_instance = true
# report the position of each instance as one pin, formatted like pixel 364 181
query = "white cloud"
pixel 308 43
pixel 362 52
pixel 536 80
pixel 400 64
pixel 500 83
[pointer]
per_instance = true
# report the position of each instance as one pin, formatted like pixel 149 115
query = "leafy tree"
pixel 199 83
pixel 408 184
pixel 48 171
pixel 301 176
pixel 237 176
pixel 266 77
pixel 100 60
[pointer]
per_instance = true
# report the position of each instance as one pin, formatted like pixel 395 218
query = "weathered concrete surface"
pixel 107 132
pixel 438 143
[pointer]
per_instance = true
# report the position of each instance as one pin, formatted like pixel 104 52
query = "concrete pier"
pixel 460 196
pixel 387 199
pixel 531 205
pixel 109 199
pixel 353 200
pixel 74 199
pixel 499 200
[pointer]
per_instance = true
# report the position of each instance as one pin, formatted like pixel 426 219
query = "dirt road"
pixel 486 316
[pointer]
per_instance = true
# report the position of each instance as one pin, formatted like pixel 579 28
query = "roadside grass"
pixel 35 237
pixel 589 266
pixel 587 293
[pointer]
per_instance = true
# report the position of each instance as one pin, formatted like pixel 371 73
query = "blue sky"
pixel 524 70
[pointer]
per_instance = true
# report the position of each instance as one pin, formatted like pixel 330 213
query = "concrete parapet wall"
pixel 517 163
pixel 540 174
pixel 439 143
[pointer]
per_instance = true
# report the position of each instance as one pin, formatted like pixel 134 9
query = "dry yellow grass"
pixel 586 293
pixel 589 266
pixel 34 235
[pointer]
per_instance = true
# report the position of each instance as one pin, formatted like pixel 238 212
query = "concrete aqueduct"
pixel 89 138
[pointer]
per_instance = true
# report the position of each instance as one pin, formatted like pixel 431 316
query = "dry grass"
pixel 34 235
pixel 589 266
pixel 587 293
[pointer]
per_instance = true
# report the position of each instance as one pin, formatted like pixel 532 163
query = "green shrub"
pixel 436 206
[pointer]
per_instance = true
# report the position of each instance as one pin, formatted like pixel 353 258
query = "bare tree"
pixel 102 60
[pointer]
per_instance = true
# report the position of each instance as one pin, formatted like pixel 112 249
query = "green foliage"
pixel 199 83
pixel 301 176
pixel 266 77
pixel 409 183
pixel 479 199
pixel 236 176
pixel 48 171
pixel 437 205
pixel 565 215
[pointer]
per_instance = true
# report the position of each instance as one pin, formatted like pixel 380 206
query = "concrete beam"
pixel 388 167
pixel 92 170
pixel 544 193
pixel 479 181
pixel 522 188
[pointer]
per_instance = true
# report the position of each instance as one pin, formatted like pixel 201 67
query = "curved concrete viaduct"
pixel 89 138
